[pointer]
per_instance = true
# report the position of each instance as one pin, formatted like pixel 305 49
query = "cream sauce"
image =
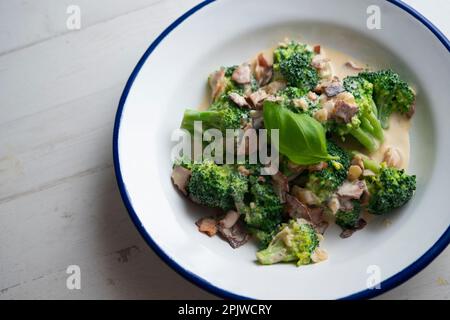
pixel 397 136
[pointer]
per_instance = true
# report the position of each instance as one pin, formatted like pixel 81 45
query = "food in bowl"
pixel 340 132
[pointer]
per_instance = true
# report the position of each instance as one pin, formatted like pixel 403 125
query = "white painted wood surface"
pixel 59 204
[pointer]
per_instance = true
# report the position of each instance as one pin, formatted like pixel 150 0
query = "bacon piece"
pixel 207 225
pixel 242 74
pixel 334 88
pixel 343 111
pixel 263 70
pixel 236 236
pixel 353 66
pixel 180 178
pixel 306 196
pixel 217 83
pixel 295 209
pixel 231 217
pixel 257 98
pixel 238 99
pixel 352 190
pixel 280 185
pixel 274 87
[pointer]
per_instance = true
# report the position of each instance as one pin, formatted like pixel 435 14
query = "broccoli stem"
pixel 272 254
pixel 383 117
pixel 374 108
pixel 377 128
pixel 365 138
pixel 370 133
pixel 209 119
pixel 372 165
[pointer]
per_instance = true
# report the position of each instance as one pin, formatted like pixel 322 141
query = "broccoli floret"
pixel 229 71
pixel 222 114
pixel 391 94
pixel 325 182
pixel 295 241
pixel 290 97
pixel 216 186
pixel 349 219
pixel 286 51
pixel 390 188
pixel 262 237
pixel 263 212
pixel 293 63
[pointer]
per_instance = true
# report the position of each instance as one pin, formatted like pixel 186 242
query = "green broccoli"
pixel 262 237
pixel 290 95
pixel 262 213
pixel 365 126
pixel 293 63
pixel 391 94
pixel 222 114
pixel 216 186
pixel 348 219
pixel 286 51
pixel 325 182
pixel 389 189
pixel 295 241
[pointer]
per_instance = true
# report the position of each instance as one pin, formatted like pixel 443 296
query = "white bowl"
pixel 171 76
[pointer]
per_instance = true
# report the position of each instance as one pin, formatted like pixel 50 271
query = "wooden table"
pixel 59 204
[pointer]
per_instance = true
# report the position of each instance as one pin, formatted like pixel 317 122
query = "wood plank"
pixel 80 63
pixel 26 23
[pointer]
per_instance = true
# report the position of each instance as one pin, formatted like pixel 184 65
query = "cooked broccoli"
pixel 349 219
pixel 295 241
pixel 229 71
pixel 293 63
pixel 263 237
pixel 365 126
pixel 295 99
pixel 222 114
pixel 391 94
pixel 286 51
pixel 263 212
pixel 325 182
pixel 216 186
pixel 389 189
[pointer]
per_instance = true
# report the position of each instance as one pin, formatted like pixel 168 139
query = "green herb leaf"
pixel 301 137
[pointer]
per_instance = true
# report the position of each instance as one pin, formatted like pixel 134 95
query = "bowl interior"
pixel 174 78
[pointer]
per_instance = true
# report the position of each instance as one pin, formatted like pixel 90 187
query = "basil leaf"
pixel 301 137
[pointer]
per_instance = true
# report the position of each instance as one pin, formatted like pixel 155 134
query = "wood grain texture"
pixel 59 204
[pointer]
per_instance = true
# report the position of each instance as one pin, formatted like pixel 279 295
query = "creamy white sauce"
pixel 397 136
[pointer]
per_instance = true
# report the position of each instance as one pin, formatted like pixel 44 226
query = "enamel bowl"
pixel 171 76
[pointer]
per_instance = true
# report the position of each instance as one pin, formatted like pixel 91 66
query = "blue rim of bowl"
pixel 385 286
